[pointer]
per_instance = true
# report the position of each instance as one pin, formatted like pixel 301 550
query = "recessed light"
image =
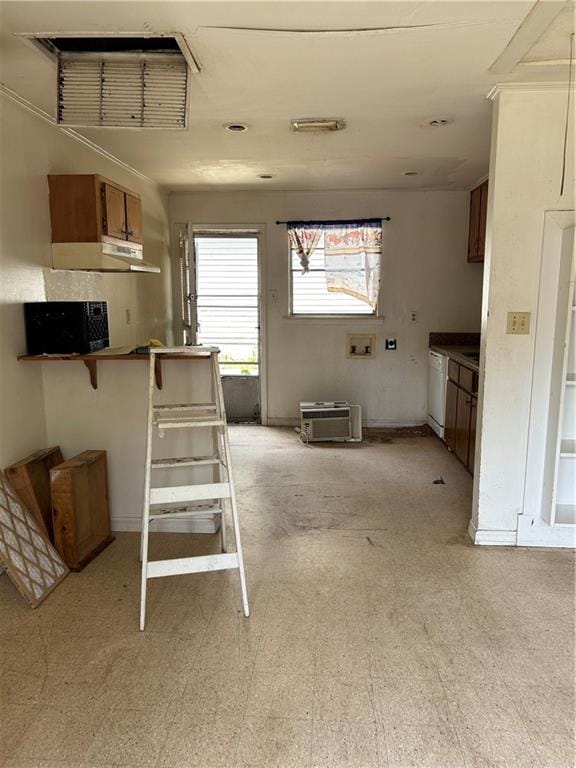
pixel 265 176
pixel 235 127
pixel 439 122
pixel 318 125
pixel 409 173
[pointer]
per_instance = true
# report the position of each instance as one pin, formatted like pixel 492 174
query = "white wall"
pixel 525 167
pixel 31 148
pixel 424 269
pixel 113 418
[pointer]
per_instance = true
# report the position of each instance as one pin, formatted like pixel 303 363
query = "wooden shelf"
pixel 91 362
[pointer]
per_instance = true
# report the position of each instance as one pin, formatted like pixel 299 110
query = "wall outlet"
pixel 391 344
pixel 413 316
pixel 273 296
pixel 518 322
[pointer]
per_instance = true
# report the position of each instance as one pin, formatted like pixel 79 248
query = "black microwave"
pixel 66 327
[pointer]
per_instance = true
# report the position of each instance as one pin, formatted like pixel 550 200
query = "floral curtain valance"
pixel 304 237
pixel 352 251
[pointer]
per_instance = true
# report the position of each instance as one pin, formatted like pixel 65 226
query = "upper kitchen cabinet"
pixel 96 225
pixel 477 223
pixel 84 209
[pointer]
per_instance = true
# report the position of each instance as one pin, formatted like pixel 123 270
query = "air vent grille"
pixel 122 91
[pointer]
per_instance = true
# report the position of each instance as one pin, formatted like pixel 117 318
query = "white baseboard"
pixel 279 421
pixel 492 538
pixel 207 524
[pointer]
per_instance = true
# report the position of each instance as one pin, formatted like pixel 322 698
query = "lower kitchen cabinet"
pixel 472 440
pixel 450 416
pixel 460 418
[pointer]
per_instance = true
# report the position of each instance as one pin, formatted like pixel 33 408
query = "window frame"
pixel 365 316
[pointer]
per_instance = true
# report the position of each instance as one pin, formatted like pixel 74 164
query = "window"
pixel 310 295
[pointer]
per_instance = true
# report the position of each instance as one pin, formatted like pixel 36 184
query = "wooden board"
pixel 81 514
pixel 25 552
pixel 30 478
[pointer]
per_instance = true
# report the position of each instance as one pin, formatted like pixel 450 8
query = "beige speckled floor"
pixel 379 635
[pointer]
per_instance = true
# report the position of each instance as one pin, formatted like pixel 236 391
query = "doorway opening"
pixel 226 314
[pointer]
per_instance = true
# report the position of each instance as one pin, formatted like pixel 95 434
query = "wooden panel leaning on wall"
pixel 80 508
pixel 30 478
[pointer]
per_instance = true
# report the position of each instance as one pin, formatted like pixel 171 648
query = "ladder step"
pixel 185 407
pixel 185 461
pixel 183 423
pixel 180 565
pixel 183 493
pixel 163 513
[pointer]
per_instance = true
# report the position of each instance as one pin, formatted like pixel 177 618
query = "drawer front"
pixel 468 379
pixel 453 371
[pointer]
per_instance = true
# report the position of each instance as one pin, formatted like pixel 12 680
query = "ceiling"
pixel 386 68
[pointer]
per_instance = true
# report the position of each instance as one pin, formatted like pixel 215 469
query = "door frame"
pixel 546 397
pixel 259 230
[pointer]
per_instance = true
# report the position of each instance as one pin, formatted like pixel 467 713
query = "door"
pixel 462 437
pixel 115 216
pixel 226 272
pixel 450 415
pixel 133 218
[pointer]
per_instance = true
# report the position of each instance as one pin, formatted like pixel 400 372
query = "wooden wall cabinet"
pixel 460 418
pixel 87 208
pixel 477 222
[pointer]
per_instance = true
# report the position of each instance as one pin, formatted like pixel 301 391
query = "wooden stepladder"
pixel 192 499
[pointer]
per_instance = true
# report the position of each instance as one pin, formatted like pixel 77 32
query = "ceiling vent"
pixel 121 83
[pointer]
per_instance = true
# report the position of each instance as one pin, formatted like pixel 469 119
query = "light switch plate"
pixel 518 322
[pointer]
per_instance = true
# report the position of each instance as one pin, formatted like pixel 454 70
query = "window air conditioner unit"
pixel 335 421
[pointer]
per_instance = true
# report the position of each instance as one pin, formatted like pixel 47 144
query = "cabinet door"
pixel 133 218
pixel 114 224
pixel 474 223
pixel 466 378
pixel 462 437
pixel 482 221
pixel 454 371
pixel 472 446
pixel 450 416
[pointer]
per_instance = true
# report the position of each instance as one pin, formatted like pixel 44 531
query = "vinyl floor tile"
pixel 379 635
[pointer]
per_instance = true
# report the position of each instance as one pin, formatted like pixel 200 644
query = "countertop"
pixel 457 352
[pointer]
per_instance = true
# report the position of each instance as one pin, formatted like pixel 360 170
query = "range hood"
pixel 101 257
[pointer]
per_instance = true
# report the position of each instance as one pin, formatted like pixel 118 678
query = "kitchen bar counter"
pixel 91 362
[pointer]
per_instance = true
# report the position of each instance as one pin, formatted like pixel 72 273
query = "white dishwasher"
pixel 437 377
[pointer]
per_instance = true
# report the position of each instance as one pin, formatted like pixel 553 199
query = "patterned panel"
pixel 28 557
